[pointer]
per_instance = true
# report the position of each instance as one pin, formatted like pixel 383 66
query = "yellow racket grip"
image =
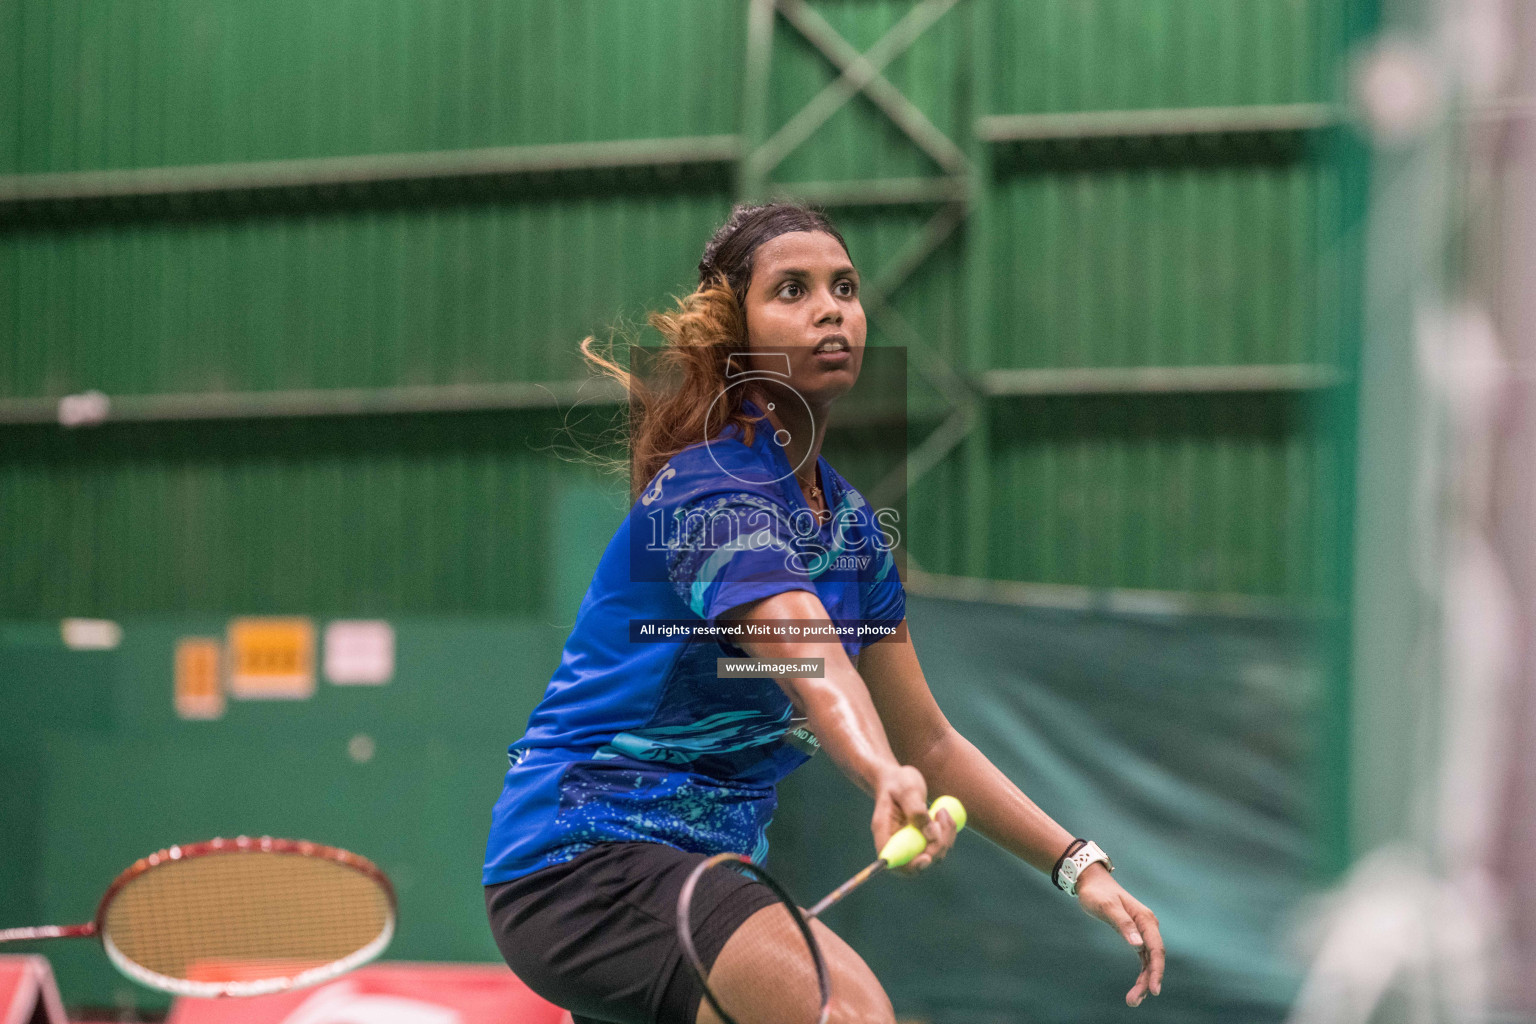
pixel 909 842
pixel 955 808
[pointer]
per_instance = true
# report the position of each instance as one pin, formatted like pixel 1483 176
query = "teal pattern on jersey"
pixel 722 733
pixel 604 804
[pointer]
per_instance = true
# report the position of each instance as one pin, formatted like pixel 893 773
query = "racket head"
pixel 245 916
pixel 807 957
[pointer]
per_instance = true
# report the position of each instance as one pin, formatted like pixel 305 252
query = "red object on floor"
pixel 387 993
pixel 27 986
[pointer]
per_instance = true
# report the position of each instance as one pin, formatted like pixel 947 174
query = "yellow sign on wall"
pixel 199 678
pixel 272 658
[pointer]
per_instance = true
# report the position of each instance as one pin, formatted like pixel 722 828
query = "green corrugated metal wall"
pixel 1195 252
pixel 137 84
pixel 321 513
pixel 497 291
pixel 1131 54
pixel 1109 255
pixel 333 518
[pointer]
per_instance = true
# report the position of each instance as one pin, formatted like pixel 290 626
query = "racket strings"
pixel 246 914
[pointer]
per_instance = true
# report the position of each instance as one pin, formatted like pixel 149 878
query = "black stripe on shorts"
pixel 597 935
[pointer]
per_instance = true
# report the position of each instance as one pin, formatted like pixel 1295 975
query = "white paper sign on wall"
pixel 359 652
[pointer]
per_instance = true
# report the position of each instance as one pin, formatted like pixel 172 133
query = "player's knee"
pixel 860 1004
pixel 857 995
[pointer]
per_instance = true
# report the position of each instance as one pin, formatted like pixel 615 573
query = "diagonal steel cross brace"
pixel 962 397
pixel 861 72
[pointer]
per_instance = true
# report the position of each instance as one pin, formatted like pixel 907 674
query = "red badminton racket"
pixel 238 917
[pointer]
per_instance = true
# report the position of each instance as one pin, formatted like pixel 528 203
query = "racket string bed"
pixel 772 970
pixel 257 910
pixel 238 917
pixel 772 975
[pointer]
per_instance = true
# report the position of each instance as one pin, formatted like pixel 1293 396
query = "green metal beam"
pixel 1099 124
pixel 752 173
pixel 875 191
pixel 1148 380
pixel 20 190
pixel 1119 600
pixel 955 389
pixel 237 405
pixel 94 408
pixel 976 354
pixel 956 392
pixel 928 454
pixel 959 392
pixel 917 250
pixel 861 72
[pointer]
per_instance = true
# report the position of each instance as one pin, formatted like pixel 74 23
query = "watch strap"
pixel 1072 847
pixel 1074 861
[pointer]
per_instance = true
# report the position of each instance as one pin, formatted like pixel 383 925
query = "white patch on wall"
pixel 359 652
pixel 344 1002
pixel 91 634
pixel 361 747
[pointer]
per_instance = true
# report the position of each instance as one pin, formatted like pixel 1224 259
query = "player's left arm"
pixel 921 736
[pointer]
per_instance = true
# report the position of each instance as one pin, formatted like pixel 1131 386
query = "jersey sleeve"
pixel 732 549
pixel 882 597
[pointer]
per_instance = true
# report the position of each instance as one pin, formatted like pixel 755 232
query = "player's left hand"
pixel 940 833
pixel 1103 897
pixel 901 798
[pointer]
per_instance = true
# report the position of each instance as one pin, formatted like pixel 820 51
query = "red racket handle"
pixel 48 931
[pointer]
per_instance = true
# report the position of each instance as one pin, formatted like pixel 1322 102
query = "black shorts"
pixel 597 935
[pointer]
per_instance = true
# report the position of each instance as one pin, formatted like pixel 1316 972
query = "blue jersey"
pixel 637 737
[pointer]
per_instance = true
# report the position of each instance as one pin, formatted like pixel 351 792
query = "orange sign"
pixel 272 658
pixel 199 685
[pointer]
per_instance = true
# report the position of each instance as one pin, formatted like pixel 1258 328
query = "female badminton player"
pixel 641 759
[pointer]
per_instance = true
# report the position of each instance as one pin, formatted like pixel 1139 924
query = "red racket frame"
pixel 211 847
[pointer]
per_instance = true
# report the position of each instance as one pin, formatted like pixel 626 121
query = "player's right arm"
pixel 841 714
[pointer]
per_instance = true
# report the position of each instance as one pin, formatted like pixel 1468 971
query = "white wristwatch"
pixel 1075 861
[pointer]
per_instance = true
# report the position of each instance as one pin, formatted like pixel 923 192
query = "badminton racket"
pixel 238 917
pixel 789 958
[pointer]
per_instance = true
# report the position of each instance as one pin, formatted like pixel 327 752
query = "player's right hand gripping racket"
pixel 238 917
pixel 790 961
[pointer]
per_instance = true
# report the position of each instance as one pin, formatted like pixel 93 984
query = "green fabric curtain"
pixel 1184 747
